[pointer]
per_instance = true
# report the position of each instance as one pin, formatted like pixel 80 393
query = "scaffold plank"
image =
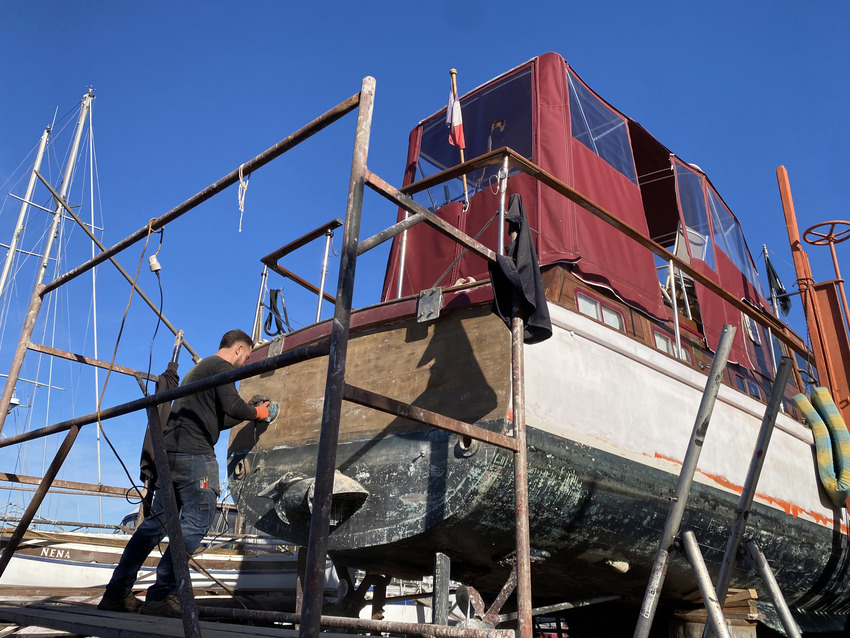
pixel 87 620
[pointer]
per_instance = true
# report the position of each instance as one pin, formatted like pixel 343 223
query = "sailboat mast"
pixel 66 185
pixel 94 309
pixel 35 299
pixel 13 246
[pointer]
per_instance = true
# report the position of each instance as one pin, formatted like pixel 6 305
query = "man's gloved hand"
pixel 257 399
pixel 262 411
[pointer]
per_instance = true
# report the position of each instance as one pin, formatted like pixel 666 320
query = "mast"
pixel 35 300
pixel 98 432
pixel 829 340
pixel 66 185
pixel 13 246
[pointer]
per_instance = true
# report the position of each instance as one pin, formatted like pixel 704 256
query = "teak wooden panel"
pixel 457 365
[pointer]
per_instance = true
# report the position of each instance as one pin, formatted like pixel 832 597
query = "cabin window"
pixel 600 129
pixel 593 308
pixel 495 116
pixel 730 239
pixel 741 383
pixel 666 344
pixel 754 390
pixel 695 214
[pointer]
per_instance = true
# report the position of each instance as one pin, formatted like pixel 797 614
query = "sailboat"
pixel 644 267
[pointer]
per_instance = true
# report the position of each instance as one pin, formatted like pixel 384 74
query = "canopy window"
pixel 601 130
pixel 499 114
pixel 730 239
pixel 689 189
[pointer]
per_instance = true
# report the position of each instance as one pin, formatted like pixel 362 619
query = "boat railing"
pixel 272 262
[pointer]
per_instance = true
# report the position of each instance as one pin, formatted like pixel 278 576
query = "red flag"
pixel 454 121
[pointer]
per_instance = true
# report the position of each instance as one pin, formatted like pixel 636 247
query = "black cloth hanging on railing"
pixel 517 283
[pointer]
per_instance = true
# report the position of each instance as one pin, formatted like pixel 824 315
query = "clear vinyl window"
pixel 600 129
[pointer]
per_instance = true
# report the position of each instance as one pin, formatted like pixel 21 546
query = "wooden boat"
pixel 611 396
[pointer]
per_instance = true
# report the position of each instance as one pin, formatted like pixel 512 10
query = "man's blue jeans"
pixel 195 479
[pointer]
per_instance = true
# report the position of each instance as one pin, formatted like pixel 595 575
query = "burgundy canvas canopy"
pixel 545 112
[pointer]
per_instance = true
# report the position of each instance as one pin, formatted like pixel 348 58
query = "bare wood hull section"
pixel 600 474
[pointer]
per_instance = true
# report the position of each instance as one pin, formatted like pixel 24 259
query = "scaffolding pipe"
pixel 748 492
pixel 20 353
pixel 329 436
pixel 358 624
pixel 767 576
pixel 715 612
pixel 683 487
pixel 37 498
pixel 523 537
pixel 231 178
pixel 251 370
pixel 97 363
pixel 61 201
pixel 176 542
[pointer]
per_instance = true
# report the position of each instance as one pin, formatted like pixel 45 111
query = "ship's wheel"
pixel 833 232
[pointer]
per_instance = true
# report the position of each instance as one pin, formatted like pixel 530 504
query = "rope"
pixel 243 187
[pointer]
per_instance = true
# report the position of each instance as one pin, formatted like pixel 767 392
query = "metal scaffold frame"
pixel 336 391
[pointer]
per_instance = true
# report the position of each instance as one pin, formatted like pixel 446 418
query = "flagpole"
pixel 453 73
pixel 773 300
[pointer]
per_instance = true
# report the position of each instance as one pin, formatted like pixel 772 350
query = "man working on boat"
pixel 190 436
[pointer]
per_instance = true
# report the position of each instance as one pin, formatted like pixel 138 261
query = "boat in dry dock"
pixel 643 263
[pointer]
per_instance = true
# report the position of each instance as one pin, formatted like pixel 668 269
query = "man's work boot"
pixel 128 603
pixel 168 606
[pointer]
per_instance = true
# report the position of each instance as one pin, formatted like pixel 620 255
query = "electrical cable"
pixel 280 321
pixel 155 268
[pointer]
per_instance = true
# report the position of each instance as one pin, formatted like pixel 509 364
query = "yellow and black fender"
pixel 832 442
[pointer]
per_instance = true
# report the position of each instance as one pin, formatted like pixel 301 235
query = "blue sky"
pixel 188 91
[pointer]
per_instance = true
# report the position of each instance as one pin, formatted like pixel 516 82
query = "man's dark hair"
pixel 232 337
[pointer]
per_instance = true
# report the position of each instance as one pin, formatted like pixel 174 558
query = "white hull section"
pixel 598 387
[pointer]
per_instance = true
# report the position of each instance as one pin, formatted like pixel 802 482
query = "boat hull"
pixel 608 423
